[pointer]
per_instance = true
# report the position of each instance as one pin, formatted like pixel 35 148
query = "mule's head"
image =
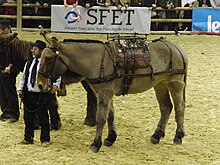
pixel 5 39
pixel 53 64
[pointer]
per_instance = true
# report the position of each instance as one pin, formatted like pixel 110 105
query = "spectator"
pixel 8 95
pixel 87 3
pixel 44 11
pixel 1 7
pixel 105 3
pixel 30 12
pixel 34 100
pixel 215 4
pixel 11 11
pixel 74 3
pixel 122 4
pixel 58 2
pixel 204 3
pixel 169 14
pixel 154 4
pixel 187 14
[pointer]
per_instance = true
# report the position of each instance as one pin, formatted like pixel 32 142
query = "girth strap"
pixel 117 76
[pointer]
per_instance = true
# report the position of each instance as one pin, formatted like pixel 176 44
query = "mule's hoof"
pixel 107 143
pixel 96 145
pixel 177 141
pixel 179 136
pixel 154 140
pixel 110 139
pixel 90 123
pixel 94 149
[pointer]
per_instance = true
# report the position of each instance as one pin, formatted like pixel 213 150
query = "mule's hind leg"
pixel 111 128
pixel 165 104
pixel 177 91
pixel 104 100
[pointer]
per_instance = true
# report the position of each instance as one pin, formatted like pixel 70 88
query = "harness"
pixel 126 56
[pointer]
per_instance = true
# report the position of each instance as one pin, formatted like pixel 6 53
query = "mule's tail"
pixel 184 90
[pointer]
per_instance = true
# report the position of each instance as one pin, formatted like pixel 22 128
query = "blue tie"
pixel 34 72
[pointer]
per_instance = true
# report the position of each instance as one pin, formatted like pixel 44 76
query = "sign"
pixel 206 21
pixel 215 3
pixel 99 19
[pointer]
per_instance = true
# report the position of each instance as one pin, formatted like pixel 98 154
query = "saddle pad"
pixel 136 57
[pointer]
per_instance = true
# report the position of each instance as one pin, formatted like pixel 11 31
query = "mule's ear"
pixel 54 38
pixel 46 36
pixel 53 41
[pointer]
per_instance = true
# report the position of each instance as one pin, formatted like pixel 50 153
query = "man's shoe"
pixel 8 117
pixel 12 120
pixel 26 142
pixel 45 144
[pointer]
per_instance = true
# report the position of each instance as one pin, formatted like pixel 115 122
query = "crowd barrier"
pixel 19 17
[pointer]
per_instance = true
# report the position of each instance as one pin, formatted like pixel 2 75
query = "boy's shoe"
pixel 3 118
pixel 26 142
pixel 55 126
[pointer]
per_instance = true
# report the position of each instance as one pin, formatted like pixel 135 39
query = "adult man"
pixel 8 94
pixel 34 100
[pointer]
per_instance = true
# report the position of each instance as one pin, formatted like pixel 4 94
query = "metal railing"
pixel 19 17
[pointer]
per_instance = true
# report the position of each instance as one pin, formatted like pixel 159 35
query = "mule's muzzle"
pixel 44 81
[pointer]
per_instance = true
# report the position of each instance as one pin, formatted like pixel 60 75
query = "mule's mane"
pixel 83 41
pixel 21 48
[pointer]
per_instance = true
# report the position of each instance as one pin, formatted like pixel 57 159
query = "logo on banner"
pixel 73 16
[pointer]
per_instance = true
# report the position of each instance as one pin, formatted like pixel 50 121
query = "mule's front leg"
pixel 111 128
pixel 104 100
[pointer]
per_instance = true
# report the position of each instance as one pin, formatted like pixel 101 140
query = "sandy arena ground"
pixel 136 118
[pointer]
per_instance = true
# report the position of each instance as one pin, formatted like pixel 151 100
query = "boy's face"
pixel 36 51
pixel 5 30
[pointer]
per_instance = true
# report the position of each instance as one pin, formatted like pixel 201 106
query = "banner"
pixel 206 21
pixel 99 19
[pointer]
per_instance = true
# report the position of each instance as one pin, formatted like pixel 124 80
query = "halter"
pixel 47 74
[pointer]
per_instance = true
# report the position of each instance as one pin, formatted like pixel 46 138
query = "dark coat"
pixel 7 57
pixel 41 2
pixel 163 3
pixel 84 2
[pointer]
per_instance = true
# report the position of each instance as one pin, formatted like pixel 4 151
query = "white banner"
pixel 100 19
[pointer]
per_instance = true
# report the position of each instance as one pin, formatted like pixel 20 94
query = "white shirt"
pixel 29 86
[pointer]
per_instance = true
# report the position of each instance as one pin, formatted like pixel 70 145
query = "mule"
pixel 95 62
pixel 21 53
